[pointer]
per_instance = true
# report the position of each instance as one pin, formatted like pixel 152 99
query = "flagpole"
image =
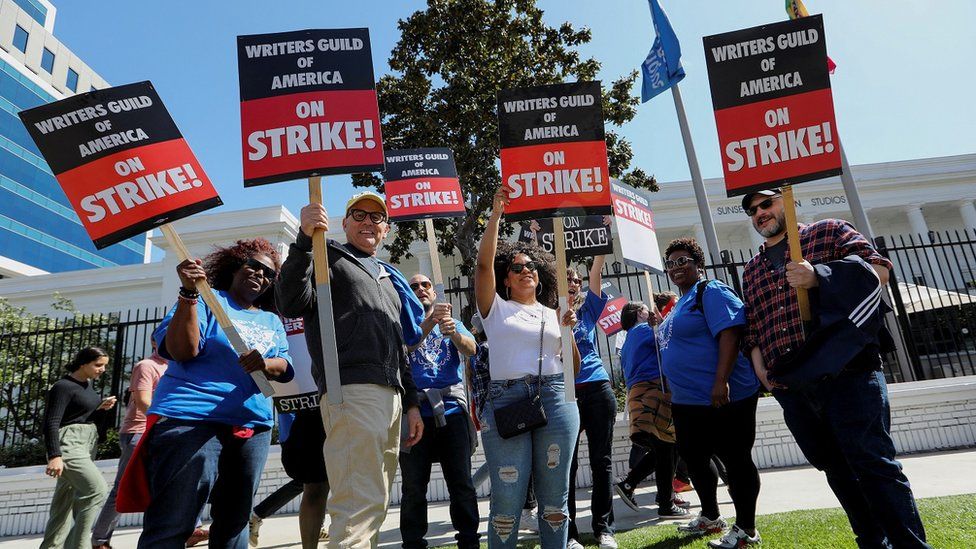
pixel 704 210
pixel 853 197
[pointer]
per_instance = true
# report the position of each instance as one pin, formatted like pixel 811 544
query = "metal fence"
pixel 34 350
pixel 934 317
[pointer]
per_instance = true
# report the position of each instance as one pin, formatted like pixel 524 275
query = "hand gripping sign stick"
pixel 323 299
pixel 566 332
pixel 796 252
pixel 233 336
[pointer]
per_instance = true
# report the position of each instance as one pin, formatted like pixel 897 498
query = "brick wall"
pixel 926 416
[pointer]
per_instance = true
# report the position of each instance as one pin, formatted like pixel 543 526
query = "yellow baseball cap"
pixel 367 195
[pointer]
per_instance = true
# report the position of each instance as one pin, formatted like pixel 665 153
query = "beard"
pixel 774 228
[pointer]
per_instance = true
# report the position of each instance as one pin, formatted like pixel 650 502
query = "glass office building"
pixel 39 230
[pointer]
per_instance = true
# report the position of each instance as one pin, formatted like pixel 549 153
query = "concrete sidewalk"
pixel 932 475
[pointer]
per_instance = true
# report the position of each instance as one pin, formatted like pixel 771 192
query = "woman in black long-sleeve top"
pixel 71 439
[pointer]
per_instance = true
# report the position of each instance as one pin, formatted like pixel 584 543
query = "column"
pixel 928 265
pixel 700 237
pixel 967 209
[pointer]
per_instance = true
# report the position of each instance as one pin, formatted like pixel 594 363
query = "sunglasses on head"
pixel 517 267
pixel 360 215
pixel 259 267
pixel 425 284
pixel 680 262
pixel 765 204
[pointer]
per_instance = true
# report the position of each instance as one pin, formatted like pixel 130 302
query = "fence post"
pixel 907 350
pixel 729 263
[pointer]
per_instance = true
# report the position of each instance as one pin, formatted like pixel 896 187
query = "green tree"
pixel 449 64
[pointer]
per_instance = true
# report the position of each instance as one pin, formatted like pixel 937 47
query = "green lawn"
pixel 950 522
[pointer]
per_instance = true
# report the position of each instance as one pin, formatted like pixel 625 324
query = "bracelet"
pixel 189 294
pixel 190 300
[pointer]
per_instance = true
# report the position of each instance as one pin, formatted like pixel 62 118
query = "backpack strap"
pixel 700 296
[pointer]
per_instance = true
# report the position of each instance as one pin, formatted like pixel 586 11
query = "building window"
pixel 20 38
pixel 47 60
pixel 72 81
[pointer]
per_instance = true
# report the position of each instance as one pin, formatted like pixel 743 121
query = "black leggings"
pixel 728 432
pixel 660 459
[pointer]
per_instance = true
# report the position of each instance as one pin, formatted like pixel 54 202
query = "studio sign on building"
pixel 825 203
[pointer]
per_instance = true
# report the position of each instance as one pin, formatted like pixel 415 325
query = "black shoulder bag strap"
pixel 542 331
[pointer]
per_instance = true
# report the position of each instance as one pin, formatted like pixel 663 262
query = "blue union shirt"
pixel 638 357
pixel 436 364
pixel 591 366
pixel 213 386
pixel 689 346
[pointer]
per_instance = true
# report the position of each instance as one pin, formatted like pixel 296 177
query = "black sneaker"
pixel 673 511
pixel 626 493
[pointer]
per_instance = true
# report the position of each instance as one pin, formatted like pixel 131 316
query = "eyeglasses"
pixel 765 204
pixel 680 262
pixel 517 267
pixel 574 280
pixel 425 284
pixel 360 215
pixel 258 267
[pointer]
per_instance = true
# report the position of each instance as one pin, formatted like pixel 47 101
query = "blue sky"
pixel 902 90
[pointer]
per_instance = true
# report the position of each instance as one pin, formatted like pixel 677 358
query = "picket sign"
pixel 233 336
pixel 565 332
pixel 323 299
pixel 796 252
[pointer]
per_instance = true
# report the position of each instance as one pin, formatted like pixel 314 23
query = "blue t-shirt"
pixel 591 367
pixel 213 386
pixel 285 419
pixel 437 364
pixel 689 346
pixel 638 357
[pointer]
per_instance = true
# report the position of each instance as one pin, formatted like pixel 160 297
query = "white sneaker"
pixel 700 526
pixel 606 541
pixel 253 529
pixel 736 537
pixel 529 522
pixel 573 544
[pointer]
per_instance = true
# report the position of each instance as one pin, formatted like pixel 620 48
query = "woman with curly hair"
pixel 714 393
pixel 515 290
pixel 212 425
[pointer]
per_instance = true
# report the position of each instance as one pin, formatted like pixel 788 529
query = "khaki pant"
pixel 361 446
pixel 80 491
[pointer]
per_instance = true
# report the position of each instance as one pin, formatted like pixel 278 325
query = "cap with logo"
pixel 366 195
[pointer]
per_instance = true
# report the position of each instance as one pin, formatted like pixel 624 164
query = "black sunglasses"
pixel 517 267
pixel 680 262
pixel 259 267
pixel 417 285
pixel 360 215
pixel 765 204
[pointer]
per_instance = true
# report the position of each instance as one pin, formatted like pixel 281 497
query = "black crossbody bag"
pixel 525 415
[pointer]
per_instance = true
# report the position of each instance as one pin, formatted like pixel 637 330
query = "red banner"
pixel 124 189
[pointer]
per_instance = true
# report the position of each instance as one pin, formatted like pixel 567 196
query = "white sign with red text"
pixel 635 227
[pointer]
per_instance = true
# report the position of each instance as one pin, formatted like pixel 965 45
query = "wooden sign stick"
pixel 435 259
pixel 233 336
pixel 566 332
pixel 323 299
pixel 796 252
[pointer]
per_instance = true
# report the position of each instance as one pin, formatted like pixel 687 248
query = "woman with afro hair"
pixel 515 290
pixel 212 424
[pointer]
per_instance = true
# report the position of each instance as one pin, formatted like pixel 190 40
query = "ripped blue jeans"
pixel 546 452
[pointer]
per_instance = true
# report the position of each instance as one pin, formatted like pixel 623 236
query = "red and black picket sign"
pixel 773 105
pixel 553 153
pixel 609 320
pixel 422 184
pixel 120 160
pixel 308 105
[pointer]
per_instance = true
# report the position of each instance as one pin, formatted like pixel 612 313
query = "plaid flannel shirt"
pixel 480 377
pixel 772 312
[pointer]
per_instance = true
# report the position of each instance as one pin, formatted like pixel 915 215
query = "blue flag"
pixel 662 67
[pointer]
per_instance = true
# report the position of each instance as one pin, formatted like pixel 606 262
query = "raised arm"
pixel 182 340
pixel 484 274
pixel 596 274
